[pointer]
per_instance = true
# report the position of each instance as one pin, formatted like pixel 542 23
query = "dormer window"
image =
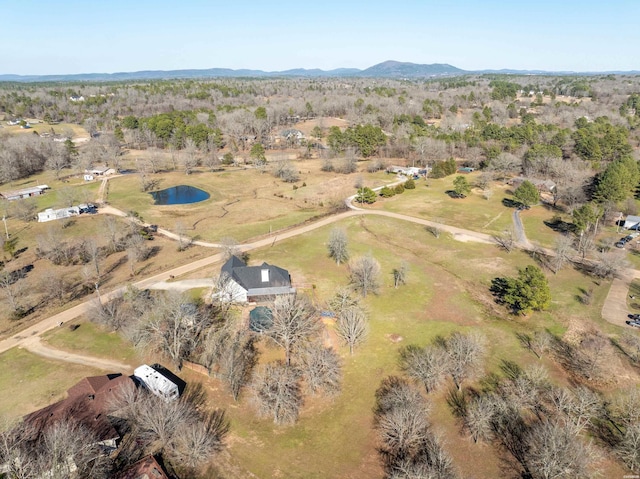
pixel 264 275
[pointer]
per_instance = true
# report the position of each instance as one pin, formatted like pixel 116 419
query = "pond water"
pixel 179 195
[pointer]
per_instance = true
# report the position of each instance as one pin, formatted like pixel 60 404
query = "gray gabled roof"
pixel 250 277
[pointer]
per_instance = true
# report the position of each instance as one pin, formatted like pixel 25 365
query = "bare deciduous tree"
pixel 337 245
pixel 629 447
pixel 479 413
pixel 553 451
pixel 54 284
pixel 320 368
pixel 174 327
pixel 13 288
pixel 184 428
pixel 112 230
pixel 136 251
pixel 277 393
pixel 352 326
pixel 408 447
pixel 184 241
pixel 231 355
pixel 562 253
pixel 294 322
pixel 364 274
pixel 506 240
pixel 189 156
pixel 427 365
pixel 609 264
pixel 59 450
pixel 230 247
pixel 400 274
pixel 342 300
pixel 466 353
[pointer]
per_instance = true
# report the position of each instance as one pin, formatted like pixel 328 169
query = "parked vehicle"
pixel 634 323
pixel 620 244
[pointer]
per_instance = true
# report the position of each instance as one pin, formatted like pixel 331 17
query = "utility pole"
pixel 4 220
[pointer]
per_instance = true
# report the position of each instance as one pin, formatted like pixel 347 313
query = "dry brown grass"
pixel 244 203
pixel 116 271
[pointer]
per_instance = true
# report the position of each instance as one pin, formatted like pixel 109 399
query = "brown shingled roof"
pixel 86 403
pixel 146 468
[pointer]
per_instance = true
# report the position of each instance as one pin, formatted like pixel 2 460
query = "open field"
pixel 430 201
pixel 67 129
pixel 447 290
pixel 244 203
pixel 30 382
pixel 92 340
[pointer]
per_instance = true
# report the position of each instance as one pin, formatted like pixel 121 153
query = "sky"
pixel 69 36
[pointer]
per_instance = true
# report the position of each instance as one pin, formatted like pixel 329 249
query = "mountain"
pixel 393 69
pixel 388 69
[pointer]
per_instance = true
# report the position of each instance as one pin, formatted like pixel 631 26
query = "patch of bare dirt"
pixel 394 338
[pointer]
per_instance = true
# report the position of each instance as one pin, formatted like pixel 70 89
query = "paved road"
pixel 614 309
pixel 521 237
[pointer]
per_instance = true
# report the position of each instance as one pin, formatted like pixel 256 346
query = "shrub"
pixel 410 184
pixel 387 192
pixel 399 189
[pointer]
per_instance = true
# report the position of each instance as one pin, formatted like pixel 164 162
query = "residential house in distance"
pixel 410 171
pixel 632 222
pixel 100 171
pixel 292 136
pixel 254 283
pixel 24 193
pixel 76 98
pixel 51 215
pixel 543 186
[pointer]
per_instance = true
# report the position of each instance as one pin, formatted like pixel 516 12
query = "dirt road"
pixel 34 344
pixel 611 310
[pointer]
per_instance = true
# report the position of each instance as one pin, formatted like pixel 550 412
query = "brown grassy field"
pixel 70 129
pixel 244 203
pixel 115 269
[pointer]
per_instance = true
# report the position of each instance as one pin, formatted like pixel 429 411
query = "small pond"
pixel 179 195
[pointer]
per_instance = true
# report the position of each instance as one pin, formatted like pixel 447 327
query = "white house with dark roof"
pixel 632 222
pixel 254 283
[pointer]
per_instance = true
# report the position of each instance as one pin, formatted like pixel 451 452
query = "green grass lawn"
pixel 447 290
pixel 430 201
pixel 537 223
pixel 92 340
pixel 475 212
pixel 30 382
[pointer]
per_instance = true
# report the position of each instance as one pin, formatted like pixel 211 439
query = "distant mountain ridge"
pixel 387 69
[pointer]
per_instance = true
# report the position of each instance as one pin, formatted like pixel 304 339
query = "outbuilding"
pixel 160 381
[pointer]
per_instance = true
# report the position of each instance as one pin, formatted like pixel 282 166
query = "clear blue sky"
pixel 69 36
